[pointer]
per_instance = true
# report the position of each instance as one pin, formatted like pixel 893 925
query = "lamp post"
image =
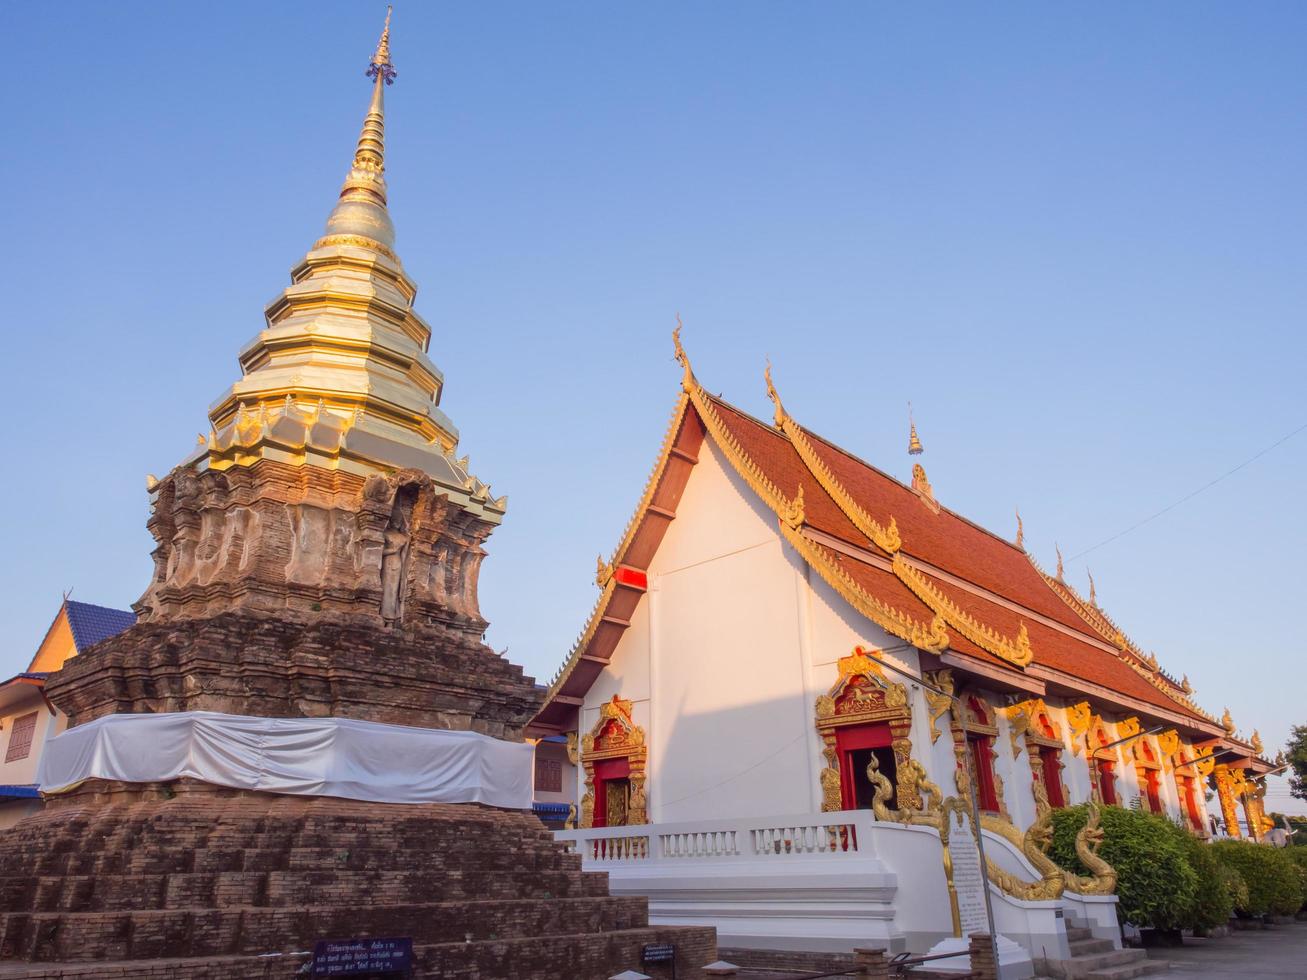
pixel 954 702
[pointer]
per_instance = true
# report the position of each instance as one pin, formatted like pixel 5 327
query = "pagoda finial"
pixel 1021 530
pixel 1093 596
pixel 360 217
pixel 774 395
pixel 1059 561
pixel 914 443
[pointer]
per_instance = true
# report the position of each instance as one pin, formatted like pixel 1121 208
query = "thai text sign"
pixel 658 953
pixel 355 957
pixel 968 881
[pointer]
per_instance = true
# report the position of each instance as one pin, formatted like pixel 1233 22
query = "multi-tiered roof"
pixel 919 570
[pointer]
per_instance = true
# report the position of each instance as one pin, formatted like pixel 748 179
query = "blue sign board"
pixel 360 957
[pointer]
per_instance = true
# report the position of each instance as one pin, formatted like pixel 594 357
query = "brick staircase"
pixel 1098 959
pixel 220 887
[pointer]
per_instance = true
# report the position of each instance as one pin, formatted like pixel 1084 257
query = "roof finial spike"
pixel 774 396
pixel 682 358
pixel 1093 596
pixel 914 443
pixel 1021 531
pixel 381 58
pixel 1059 562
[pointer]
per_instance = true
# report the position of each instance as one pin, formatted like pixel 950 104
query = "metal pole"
pixel 954 702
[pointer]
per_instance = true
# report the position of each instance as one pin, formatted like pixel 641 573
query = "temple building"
pixel 795 657
pixel 302 755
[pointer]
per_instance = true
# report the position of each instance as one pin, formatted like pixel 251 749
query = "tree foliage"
pixel 1296 754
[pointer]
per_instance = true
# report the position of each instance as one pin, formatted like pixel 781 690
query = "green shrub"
pixel 1156 885
pixel 1214 894
pixel 1235 885
pixel 1299 858
pixel 1274 884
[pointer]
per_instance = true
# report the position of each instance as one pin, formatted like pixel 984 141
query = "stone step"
pixel 1089 947
pixel 596 958
pixel 69 937
pixel 1076 933
pixel 363 856
pixel 123 893
pixel 1081 967
pixel 1127 971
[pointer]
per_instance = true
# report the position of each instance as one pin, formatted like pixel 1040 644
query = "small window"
pixel 549 776
pixel 20 738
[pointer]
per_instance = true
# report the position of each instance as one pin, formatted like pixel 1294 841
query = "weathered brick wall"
pixel 240 663
pixel 219 878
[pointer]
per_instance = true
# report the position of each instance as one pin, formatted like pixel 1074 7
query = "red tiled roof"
pixel 950 543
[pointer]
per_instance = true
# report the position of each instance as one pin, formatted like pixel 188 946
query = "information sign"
pixel 360 957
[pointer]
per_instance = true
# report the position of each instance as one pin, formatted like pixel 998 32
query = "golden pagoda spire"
pixel 1093 595
pixel 1059 561
pixel 360 216
pixel 1021 531
pixel 914 443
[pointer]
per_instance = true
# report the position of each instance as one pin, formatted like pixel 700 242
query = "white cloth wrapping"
pixel 357 760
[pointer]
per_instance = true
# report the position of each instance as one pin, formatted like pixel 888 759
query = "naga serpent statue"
pixel 1033 844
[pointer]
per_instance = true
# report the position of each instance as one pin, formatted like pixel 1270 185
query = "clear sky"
pixel 1073 236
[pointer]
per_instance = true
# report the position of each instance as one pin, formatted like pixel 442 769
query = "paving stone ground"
pixel 1280 951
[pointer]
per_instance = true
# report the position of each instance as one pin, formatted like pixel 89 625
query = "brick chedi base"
pixel 222 886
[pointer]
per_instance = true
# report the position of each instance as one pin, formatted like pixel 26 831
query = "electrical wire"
pixel 1188 497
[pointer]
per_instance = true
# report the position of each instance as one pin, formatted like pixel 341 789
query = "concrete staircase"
pixel 1098 959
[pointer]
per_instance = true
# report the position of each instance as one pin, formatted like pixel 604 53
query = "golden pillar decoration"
pixel 1225 794
pixel 616 736
pixel 1078 717
pixel 938 704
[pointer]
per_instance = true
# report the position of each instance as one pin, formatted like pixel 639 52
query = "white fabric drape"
pixel 358 760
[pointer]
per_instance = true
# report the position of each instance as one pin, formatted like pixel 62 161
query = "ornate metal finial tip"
pixel 380 64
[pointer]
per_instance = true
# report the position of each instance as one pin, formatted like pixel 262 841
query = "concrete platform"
pixel 1280 951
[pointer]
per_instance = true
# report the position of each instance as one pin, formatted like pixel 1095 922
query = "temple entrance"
pixel 856 746
pixel 612 793
pixel 864 717
pixel 613 756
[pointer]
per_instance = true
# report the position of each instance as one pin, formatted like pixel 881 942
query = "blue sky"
pixel 1072 236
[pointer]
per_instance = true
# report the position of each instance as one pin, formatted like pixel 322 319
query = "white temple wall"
pixel 712 660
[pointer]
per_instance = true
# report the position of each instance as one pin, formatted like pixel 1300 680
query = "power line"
pixel 1190 496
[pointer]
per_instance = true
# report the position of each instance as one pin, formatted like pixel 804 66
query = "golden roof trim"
pixel 1128 652
pixel 894 621
pixel 1015 651
pixel 885 537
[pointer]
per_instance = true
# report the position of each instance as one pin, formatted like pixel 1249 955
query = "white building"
pixel 726 700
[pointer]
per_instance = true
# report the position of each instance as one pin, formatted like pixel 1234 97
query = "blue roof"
pixel 19 792
pixel 91 624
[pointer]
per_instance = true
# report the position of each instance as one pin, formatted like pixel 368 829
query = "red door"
pixel 1106 782
pixel 1052 769
pixel 605 770
pixel 852 745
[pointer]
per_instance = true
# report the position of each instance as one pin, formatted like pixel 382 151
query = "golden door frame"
pixel 1033 720
pixel 863 695
pixel 1095 738
pixel 616 736
pixel 964 720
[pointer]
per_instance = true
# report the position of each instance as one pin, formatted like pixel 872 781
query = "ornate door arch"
pixel 1044 746
pixel 615 739
pixel 864 696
